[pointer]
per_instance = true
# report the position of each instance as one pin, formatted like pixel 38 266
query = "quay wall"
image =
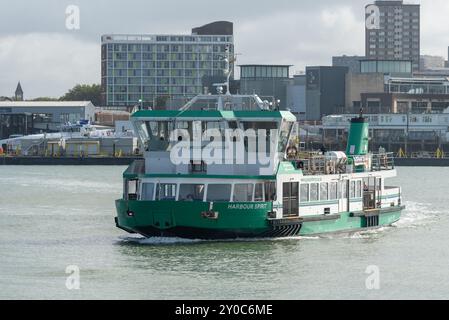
pixel 67 161
pixel 124 161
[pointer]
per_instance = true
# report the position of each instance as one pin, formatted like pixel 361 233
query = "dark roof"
pixel 219 28
pixel 266 65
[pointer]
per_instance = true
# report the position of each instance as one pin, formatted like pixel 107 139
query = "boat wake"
pixel 417 214
pixel 139 240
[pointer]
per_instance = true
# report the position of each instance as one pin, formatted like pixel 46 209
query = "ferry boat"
pixel 249 179
pixel 302 194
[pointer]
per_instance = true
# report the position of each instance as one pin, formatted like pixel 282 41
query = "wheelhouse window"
pixel 156 134
pixel 147 192
pixel 304 192
pixel 219 192
pixel 258 192
pixel 191 192
pixel 286 128
pixel 243 192
pixel 166 192
pixel 270 191
pixel 131 188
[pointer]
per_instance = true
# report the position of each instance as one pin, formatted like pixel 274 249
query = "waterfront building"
pixel 431 62
pixel 351 62
pixel 15 124
pixel 49 116
pixel 393 31
pixel 269 82
pixel 325 91
pixel 162 70
pixel 358 84
pixel 395 68
pixel 296 96
pixel 402 131
pixel 414 95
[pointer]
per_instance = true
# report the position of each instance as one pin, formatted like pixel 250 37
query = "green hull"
pixel 234 220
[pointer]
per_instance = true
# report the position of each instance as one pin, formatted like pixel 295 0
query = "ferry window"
pixel 284 135
pixel 258 192
pixel 324 192
pixel 314 192
pixel 304 192
pixel 359 189
pixel 147 192
pixel 191 192
pixel 166 192
pixel 344 189
pixel 243 192
pixel 219 192
pixel 352 190
pixel 270 191
pixel 333 191
pixel 131 188
pixel 159 135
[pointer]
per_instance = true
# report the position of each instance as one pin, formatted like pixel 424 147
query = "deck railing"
pixel 382 161
pixel 322 165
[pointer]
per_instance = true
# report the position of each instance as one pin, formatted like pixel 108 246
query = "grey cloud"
pixel 36 48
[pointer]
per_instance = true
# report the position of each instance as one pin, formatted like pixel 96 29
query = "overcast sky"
pixel 37 48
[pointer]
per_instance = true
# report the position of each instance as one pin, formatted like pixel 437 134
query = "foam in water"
pixel 416 214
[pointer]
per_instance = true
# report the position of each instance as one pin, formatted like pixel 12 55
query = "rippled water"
pixel 53 217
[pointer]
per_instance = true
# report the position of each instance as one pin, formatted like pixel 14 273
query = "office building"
pixel 393 31
pixel 49 116
pixel 431 63
pixel 162 70
pixel 395 68
pixel 415 95
pixel 351 62
pixel 296 96
pixel 325 91
pixel 269 82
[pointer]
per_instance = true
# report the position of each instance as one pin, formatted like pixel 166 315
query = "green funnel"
pixel 358 137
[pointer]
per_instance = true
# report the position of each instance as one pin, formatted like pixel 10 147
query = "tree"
pixel 84 92
pixel 45 99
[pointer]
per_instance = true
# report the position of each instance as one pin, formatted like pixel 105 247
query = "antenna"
pixel 227 71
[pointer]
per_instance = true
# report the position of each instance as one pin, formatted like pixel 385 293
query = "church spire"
pixel 19 93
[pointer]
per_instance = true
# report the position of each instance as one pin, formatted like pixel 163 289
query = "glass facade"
pixel 417 86
pixel 151 67
pixel 262 72
pixel 386 66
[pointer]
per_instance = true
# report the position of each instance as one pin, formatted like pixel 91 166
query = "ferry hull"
pixel 187 220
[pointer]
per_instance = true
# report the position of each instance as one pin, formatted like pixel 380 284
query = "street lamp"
pixel 140 104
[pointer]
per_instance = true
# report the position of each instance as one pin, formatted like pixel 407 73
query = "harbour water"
pixel 55 217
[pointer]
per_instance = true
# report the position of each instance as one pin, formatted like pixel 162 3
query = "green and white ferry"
pixel 198 194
